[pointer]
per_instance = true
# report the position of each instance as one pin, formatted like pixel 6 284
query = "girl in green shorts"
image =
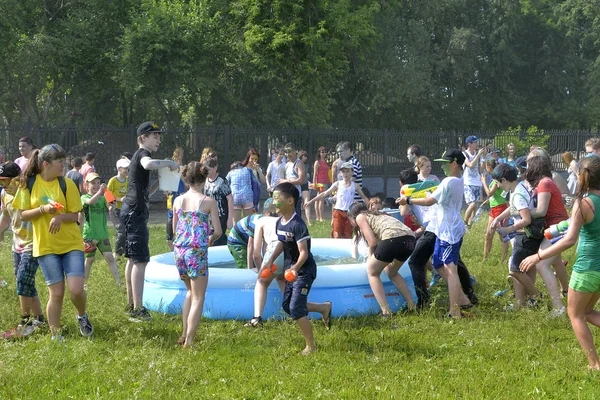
pixel 584 287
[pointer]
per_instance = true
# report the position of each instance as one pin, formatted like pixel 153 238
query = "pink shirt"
pixel 22 162
pixel 86 169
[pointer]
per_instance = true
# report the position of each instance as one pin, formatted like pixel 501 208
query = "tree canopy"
pixel 387 64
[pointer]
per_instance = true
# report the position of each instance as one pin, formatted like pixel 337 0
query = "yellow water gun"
pixel 419 190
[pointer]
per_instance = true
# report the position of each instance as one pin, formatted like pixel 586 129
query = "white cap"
pixel 123 163
pixel 346 165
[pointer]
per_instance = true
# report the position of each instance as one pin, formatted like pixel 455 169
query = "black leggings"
pixel 417 261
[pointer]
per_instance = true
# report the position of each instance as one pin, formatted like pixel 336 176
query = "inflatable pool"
pixel 230 292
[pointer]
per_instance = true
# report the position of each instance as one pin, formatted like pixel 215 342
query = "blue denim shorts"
pixel 56 266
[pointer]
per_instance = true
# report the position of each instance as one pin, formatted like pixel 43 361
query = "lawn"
pixel 497 354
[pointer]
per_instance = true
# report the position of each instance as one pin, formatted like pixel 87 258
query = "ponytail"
pixel 33 167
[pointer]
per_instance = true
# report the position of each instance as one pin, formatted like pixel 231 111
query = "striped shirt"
pixel 243 230
pixel 357 176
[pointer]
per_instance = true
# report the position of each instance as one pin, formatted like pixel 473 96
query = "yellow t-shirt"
pixel 118 188
pixel 68 238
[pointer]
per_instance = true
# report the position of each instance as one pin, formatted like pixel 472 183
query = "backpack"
pixel 61 181
pixel 255 190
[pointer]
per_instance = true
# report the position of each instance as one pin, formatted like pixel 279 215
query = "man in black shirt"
pixel 134 215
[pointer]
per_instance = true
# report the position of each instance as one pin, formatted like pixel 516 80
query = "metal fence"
pixel 381 153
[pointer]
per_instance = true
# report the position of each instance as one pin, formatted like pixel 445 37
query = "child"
pixel 497 206
pixel 95 230
pixel 88 167
pixel 584 287
pixel 322 181
pixel 22 246
pixel 74 173
pixel 424 170
pixel 520 208
pixel 118 186
pixel 449 227
pixel 171 196
pixel 134 215
pixel 240 241
pixel 57 241
pixel 240 180
pixel 375 204
pixel 265 242
pixel 217 188
pixel 275 171
pixel 295 171
pixel 192 212
pixel 342 228
pixel 295 243
pixel 390 244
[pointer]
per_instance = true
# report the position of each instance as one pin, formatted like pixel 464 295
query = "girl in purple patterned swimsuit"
pixel 191 214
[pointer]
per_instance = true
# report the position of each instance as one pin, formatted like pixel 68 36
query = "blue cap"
pixel 471 139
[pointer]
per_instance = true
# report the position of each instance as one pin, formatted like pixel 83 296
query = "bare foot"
pixel 181 341
pixel 308 350
pixel 327 315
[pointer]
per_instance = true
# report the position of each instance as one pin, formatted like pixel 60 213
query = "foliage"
pixel 523 139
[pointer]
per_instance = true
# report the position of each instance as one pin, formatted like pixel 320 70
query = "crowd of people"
pixel 59 221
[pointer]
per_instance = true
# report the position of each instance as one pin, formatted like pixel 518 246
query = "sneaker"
pixel 473 280
pixel 58 338
pixel 510 307
pixel 557 312
pixel 25 321
pixel 435 278
pixel 473 299
pixel 140 315
pixel 85 327
pixel 128 310
pixel 38 321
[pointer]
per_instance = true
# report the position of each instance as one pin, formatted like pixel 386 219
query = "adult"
pixel 217 188
pixel 321 180
pixel 295 172
pixel 592 147
pixel 240 180
pixel 510 158
pixel 207 153
pixel 251 161
pixel 345 152
pixel 413 153
pixel 25 148
pixel 472 177
pixel 305 190
pixel 572 169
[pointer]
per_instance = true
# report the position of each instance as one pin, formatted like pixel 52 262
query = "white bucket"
pixel 168 181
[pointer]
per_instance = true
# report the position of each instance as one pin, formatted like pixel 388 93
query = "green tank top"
pixel 496 199
pixel 588 250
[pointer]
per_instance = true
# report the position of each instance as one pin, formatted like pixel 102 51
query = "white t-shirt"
pixel 449 195
pixel 471 175
pixel 520 199
pixel 277 171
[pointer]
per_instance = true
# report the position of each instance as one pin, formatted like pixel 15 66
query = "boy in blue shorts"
pixel 22 249
pixel 294 241
pixel 449 226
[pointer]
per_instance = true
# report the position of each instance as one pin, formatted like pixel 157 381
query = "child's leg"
pixel 169 233
pixel 419 263
pixel 112 266
pixel 73 265
pixel 54 307
pixel 374 269
pixel 306 329
pixel 581 305
pixel 137 282
pixel 489 236
pixel 392 272
pixel 561 272
pixel 543 268
pixel 237 215
pixel 198 286
pixel 128 281
pixel 449 272
pixel 28 296
pixel 185 311
pixel 89 261
pixel 260 294
pixel 319 210
pixel 504 248
pixel 306 199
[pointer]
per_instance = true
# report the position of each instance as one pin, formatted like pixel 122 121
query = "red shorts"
pixel 342 228
pixel 495 211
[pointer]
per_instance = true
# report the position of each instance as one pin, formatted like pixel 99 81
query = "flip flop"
pixel 327 319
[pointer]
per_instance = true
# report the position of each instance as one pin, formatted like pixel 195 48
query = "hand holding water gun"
pixel 557 230
pixel 419 190
pixel 54 205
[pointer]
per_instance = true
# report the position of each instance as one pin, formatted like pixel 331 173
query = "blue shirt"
pixel 290 234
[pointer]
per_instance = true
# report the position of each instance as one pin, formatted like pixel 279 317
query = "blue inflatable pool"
pixel 230 292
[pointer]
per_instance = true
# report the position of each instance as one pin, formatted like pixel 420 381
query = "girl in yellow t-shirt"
pixel 52 206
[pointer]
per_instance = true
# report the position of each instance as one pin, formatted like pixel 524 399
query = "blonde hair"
pixel 178 155
pixel 421 162
pixel 567 157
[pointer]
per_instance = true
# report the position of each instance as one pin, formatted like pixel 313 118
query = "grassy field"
pixel 497 354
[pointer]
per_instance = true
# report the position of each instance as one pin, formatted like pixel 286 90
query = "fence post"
pixel 385 160
pixel 132 138
pixel 226 158
pixel 311 146
pixel 264 150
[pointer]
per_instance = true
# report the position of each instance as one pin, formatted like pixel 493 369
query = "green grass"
pixel 495 355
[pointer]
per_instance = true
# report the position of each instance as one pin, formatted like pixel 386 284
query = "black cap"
pixel 9 169
pixel 452 155
pixel 148 127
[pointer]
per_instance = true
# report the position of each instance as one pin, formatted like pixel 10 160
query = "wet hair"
pixel 416 150
pixel 302 153
pixel 77 162
pixel 505 171
pixel 288 190
pixel 90 157
pixel 538 167
pixel 355 210
pixel 491 163
pixel 588 177
pixel 178 155
pixel 251 152
pixel 373 200
pixel 567 157
pixel 344 146
pixel 390 203
pixel 594 143
pixel 421 162
pixel 408 176
pixel 211 163
pixel 194 173
pixel 235 165
pixel 48 153
pixel 269 208
pixel 208 152
pixel 126 155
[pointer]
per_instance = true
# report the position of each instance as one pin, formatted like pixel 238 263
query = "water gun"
pixel 53 203
pixel 267 272
pixel 315 186
pixel 109 196
pixel 419 190
pixel 557 230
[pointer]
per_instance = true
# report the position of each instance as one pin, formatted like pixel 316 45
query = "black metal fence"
pixel 382 153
